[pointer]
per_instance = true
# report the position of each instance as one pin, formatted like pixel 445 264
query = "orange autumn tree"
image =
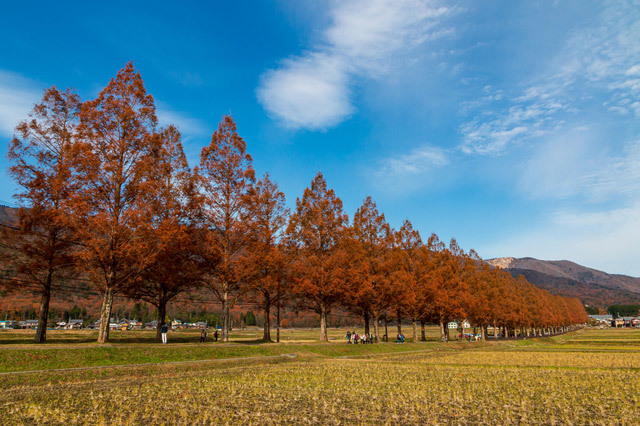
pixel 408 247
pixel 485 287
pixel 42 153
pixel 315 240
pixel 370 292
pixel 263 265
pixel 169 194
pixel 226 175
pixel 447 291
pixel 113 166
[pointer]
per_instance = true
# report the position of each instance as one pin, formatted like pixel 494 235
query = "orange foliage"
pixel 147 227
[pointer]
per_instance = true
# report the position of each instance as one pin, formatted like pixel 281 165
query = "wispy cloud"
pixel 600 60
pixel 17 98
pixel 187 78
pixel 402 174
pixel 574 164
pixel 418 161
pixel 313 90
pixel 187 125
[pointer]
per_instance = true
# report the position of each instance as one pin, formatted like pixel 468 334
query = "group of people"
pixel 164 328
pixel 354 338
pixel 203 335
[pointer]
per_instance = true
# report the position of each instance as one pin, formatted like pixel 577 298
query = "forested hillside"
pixel 592 287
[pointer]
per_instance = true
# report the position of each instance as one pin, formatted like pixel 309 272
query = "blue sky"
pixel 512 126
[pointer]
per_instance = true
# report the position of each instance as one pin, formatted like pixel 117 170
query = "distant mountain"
pixel 567 278
pixel 8 215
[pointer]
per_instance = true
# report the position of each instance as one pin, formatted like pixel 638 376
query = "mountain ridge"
pixel 568 278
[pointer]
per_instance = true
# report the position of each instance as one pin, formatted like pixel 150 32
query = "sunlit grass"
pixel 577 378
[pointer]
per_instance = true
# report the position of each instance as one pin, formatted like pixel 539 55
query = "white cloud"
pixel 418 161
pixel 313 90
pixel 310 92
pixel 17 98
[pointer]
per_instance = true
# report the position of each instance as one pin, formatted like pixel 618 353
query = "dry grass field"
pixel 586 377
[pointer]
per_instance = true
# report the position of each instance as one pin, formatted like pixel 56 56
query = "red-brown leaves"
pixel 43 157
pixel 140 216
pixel 315 239
pixel 114 167
pixel 226 176
pixel 263 263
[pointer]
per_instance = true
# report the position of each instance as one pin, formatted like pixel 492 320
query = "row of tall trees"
pixel 109 197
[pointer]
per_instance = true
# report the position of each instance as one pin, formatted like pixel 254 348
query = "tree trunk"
pixel 442 331
pixel 415 330
pixel 423 331
pixel 225 316
pixel 323 323
pixel 266 335
pixel 162 315
pixel 278 318
pixel 386 328
pixel 105 316
pixel 495 331
pixel 366 321
pixel 483 332
pixel 376 327
pixel 399 319
pixel 43 314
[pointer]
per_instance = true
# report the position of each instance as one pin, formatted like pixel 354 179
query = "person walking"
pixel 215 335
pixel 203 335
pixel 163 329
pixel 348 336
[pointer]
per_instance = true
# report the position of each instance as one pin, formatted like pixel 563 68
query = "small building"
pixel 29 324
pixel 617 322
pixel 601 319
pixel 8 324
pixel 74 324
pixel 152 325
pixel 457 324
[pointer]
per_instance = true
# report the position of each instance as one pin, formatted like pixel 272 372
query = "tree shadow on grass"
pixel 252 342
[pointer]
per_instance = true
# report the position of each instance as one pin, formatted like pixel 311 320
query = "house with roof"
pixel 8 324
pixel 30 324
pixel 456 324
pixel 135 324
pixel 152 325
pixel 601 319
pixel 617 322
pixel 74 324
pixel 630 321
